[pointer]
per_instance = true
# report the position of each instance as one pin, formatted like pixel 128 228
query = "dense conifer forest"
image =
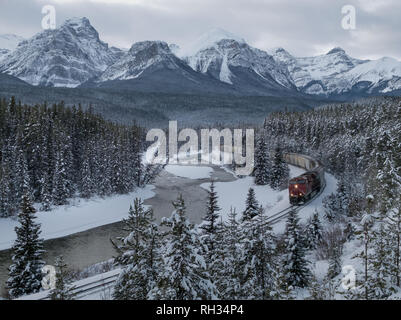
pixel 55 153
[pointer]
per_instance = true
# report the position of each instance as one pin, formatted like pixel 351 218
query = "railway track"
pixel 278 216
pixel 101 283
pixel 83 288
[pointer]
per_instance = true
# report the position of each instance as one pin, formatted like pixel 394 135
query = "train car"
pixel 304 187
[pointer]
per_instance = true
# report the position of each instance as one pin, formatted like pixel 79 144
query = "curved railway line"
pixel 102 283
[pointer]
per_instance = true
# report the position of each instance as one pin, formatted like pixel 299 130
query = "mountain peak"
pixel 153 47
pixel 336 50
pixel 208 40
pixel 80 21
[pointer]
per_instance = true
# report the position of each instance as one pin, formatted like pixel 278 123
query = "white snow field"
pixel 233 194
pixel 190 172
pixel 76 217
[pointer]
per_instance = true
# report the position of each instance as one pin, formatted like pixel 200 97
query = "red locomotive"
pixel 304 187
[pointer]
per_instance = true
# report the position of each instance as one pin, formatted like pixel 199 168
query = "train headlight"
pixel 296 186
pixel 300 194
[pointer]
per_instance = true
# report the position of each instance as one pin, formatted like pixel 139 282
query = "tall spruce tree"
pixel 26 269
pixel 279 172
pixel 314 231
pixel 139 255
pixel 262 162
pixel 258 258
pixel 251 206
pixel 295 265
pixel 229 256
pixel 184 275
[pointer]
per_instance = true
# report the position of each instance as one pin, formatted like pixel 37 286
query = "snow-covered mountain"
pixel 230 59
pixel 216 62
pixel 152 66
pixel 337 73
pixel 8 42
pixel 141 56
pixel 66 56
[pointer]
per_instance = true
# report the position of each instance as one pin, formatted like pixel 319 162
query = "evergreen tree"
pixel 209 225
pixel 26 269
pixel 251 206
pixel 209 232
pixel 295 265
pixel 262 162
pixel 394 235
pixel 365 234
pixel 314 231
pixel 139 255
pixel 60 188
pixel 335 263
pixel 279 172
pixel 258 260
pixel 46 193
pixel 63 290
pixel 379 286
pixel 229 275
pixel 184 274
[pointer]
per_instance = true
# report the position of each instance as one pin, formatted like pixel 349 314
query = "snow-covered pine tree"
pixel 184 275
pixel 6 207
pixel 138 254
pixel 282 290
pixel 60 185
pixel 335 267
pixel 258 258
pixel 394 234
pixel 365 234
pixel 251 206
pixel 210 229
pixel 279 172
pixel 229 276
pixel 314 231
pixel 379 285
pixel 389 174
pixel 87 187
pixel 26 269
pixel 63 289
pixel 210 222
pixel 295 265
pixel 46 194
pixel 262 162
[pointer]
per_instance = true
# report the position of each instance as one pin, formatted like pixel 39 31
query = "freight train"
pixel 304 187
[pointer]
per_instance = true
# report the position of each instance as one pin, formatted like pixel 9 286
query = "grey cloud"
pixel 304 28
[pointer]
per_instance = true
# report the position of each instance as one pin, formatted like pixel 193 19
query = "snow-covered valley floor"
pixel 191 181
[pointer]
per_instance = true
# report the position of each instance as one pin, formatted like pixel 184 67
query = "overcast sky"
pixel 303 27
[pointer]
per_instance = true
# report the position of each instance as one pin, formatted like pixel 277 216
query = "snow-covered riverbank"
pixel 78 216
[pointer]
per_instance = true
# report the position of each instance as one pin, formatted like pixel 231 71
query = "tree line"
pixel 54 153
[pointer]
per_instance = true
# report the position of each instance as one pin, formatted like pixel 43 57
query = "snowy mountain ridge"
pixel 8 42
pixel 336 72
pixel 73 54
pixel 64 57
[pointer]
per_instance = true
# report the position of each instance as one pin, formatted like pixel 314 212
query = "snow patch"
pixel 190 172
pixel 82 215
